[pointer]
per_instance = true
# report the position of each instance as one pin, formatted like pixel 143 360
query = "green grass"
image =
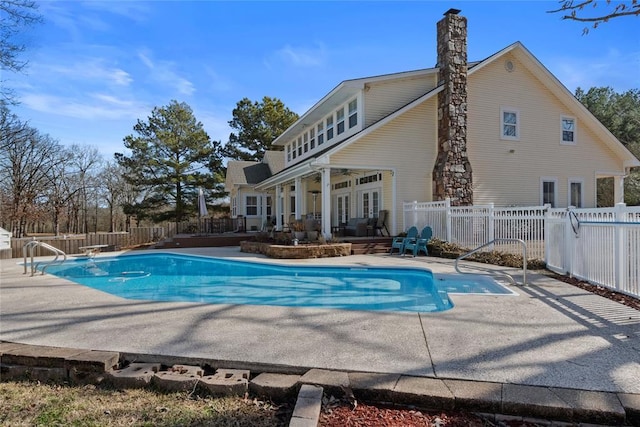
pixel 35 404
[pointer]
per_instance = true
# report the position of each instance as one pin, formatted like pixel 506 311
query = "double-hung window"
pixel 251 206
pixel 306 142
pixel 329 128
pixel 320 133
pixel 575 193
pixel 548 191
pixel 340 120
pixel 353 113
pixel 509 124
pixel 299 146
pixel 312 138
pixel 288 152
pixel 568 130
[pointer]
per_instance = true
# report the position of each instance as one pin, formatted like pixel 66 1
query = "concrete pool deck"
pixel 551 334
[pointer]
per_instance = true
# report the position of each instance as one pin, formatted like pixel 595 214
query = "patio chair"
pixel 420 243
pixel 379 224
pixel 398 242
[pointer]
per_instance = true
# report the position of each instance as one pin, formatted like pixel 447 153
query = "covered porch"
pixel 344 199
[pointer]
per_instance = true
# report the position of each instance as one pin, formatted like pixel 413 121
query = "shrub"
pixel 443 249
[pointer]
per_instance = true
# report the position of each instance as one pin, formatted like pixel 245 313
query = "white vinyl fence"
pixel 601 246
pixel 473 226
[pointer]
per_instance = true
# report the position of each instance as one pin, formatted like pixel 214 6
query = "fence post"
pixel 491 224
pixel 621 256
pixel 569 242
pixel 447 209
pixel 415 214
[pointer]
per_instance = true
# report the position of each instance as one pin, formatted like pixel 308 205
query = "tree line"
pixel 47 187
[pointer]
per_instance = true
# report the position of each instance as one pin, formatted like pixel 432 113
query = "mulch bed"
pixel 602 291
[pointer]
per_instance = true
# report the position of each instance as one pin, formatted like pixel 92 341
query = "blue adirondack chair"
pixel 419 243
pixel 398 242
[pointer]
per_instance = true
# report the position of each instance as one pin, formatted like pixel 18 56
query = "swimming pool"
pixel 188 278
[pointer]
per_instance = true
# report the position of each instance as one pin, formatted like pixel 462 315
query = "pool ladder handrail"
pixel 524 258
pixel 34 266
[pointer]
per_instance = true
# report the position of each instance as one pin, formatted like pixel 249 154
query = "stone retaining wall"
pixel 296 252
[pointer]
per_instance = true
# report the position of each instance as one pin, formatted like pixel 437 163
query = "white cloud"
pixel 93 69
pixel 163 72
pixel 303 57
pixel 96 107
pixel 217 82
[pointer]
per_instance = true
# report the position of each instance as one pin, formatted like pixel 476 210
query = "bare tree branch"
pixel 577 11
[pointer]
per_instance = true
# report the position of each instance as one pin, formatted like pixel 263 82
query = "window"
pixel 299 146
pixel 575 193
pixel 548 191
pixel 251 206
pixel 320 133
pixel 312 138
pixel 288 152
pixel 510 124
pixel 292 207
pixel 568 130
pixel 306 141
pixel 234 207
pixel 329 127
pixel 269 210
pixel 353 113
pixel 294 152
pixel 340 120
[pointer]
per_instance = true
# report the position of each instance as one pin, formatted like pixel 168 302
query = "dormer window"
pixel 353 113
pixel 340 120
pixel 320 133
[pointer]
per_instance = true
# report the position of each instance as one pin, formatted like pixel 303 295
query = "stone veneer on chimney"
pixel 452 171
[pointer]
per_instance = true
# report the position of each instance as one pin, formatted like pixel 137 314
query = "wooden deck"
pixel 359 245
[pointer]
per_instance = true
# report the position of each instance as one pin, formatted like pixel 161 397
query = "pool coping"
pixel 491 400
pixel 581 341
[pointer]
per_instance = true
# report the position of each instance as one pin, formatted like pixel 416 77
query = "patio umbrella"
pixel 202 205
pixel 202 208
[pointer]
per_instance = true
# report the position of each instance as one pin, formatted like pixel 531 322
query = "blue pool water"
pixel 173 277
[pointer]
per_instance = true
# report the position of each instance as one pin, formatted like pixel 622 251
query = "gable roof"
pixel 348 88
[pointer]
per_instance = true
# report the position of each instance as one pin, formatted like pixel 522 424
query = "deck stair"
pixel 370 246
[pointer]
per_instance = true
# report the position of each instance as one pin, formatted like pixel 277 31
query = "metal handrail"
pixel 34 266
pixel 524 258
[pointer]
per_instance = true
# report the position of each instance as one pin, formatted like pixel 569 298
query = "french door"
pixel 342 208
pixel 369 203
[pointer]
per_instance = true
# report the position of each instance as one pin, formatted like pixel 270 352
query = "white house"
pixel 501 130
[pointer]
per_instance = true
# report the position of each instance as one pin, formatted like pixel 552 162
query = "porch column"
pixel 618 189
pixel 304 210
pixel 278 207
pixel 325 196
pixel 298 184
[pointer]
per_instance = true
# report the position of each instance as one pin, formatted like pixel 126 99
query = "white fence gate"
pixel 601 246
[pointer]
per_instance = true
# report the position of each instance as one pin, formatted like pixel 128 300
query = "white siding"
pixel 407 145
pixel 383 98
pixel 509 172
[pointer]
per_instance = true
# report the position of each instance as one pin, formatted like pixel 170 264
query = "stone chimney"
pixel 452 172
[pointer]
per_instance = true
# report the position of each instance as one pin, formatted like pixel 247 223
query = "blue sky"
pixel 96 67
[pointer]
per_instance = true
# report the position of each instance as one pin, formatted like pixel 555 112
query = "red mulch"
pixel 599 290
pixel 344 415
